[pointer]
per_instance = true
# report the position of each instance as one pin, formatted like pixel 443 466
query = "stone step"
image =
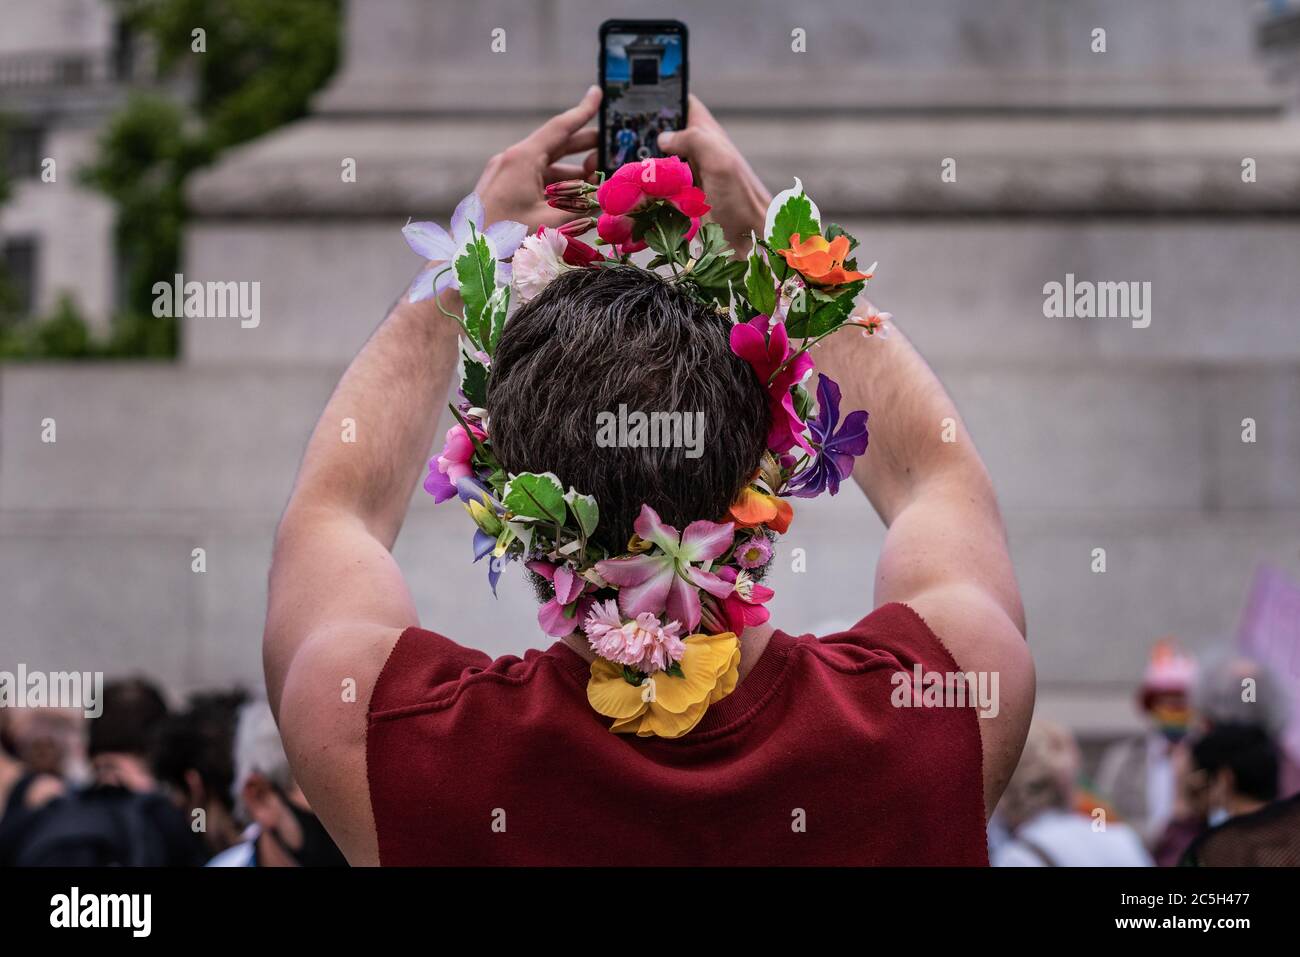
pixel 1220 290
pixel 1115 164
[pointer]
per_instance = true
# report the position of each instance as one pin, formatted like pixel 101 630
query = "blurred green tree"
pixel 256 68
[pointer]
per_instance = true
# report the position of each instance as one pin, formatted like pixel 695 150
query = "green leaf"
pixel 803 402
pixel 474 382
pixel 794 216
pixel 715 282
pixel 822 316
pixel 476 270
pixel 675 669
pixel 540 497
pixel 705 262
pixel 835 229
pixel 778 265
pixel 665 229
pixel 712 239
pixel 760 284
pixel 585 509
pixel 494 318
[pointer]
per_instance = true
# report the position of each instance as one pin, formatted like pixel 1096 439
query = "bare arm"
pixel 337 600
pixel 945 553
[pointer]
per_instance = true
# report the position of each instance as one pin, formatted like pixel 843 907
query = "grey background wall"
pixel 1114 167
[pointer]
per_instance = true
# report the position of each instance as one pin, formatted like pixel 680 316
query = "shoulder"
pixel 979 637
pixel 322 718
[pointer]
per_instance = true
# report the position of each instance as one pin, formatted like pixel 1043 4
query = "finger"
pixel 558 172
pixel 700 115
pixel 684 143
pixel 589 164
pixel 555 132
pixel 578 142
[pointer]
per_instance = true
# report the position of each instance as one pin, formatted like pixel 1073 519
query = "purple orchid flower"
pixel 555 617
pixel 668 579
pixel 441 248
pixel 836 450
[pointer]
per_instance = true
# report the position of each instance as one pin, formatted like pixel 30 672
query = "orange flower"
pixel 753 507
pixel 821 262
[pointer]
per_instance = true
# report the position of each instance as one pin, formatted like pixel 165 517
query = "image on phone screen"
pixel 643 75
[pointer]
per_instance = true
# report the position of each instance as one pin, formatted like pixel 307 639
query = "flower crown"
pixel 663 618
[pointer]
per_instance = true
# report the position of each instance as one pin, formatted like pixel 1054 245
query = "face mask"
pixel 1172 721
pixel 1217 816
pixel 1173 733
pixel 318 848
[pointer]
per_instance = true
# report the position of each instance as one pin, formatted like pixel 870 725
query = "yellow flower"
pixel 662 704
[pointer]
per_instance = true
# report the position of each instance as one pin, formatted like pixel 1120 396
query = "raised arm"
pixel 945 553
pixel 337 600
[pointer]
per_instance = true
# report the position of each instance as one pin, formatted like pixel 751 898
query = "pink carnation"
pixel 635 186
pixel 643 643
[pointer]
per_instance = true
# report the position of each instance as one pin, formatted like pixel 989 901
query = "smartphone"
pixel 643 71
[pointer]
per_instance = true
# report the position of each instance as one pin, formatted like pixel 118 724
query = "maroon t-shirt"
pixel 475 761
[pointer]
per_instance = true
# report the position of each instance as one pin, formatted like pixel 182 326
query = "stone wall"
pixel 1116 167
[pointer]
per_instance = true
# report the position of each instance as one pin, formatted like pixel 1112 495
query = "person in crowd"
pixel 282 831
pixel 1228 690
pixel 194 761
pixel 1231 688
pixel 120 818
pixel 1237 766
pixel 1038 811
pixel 1138 775
pixel 23 789
pixel 625 143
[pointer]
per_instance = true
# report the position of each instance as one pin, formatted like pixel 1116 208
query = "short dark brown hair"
pixel 596 338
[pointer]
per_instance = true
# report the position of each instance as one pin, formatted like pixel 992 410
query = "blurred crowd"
pixel 1207 783
pixel 144 785
pixel 635 136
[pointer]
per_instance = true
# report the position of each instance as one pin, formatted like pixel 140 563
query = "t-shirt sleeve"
pixel 423 667
pixel 895 630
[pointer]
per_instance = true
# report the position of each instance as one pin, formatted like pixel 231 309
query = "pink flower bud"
pixel 572 204
pixel 569 187
pixel 576 227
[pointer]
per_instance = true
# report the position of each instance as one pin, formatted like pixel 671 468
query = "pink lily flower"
pixel 668 579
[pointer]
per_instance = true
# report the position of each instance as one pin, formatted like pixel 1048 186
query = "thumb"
pixel 676 142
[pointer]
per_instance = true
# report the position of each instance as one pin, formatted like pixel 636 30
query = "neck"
pixel 1238 805
pixel 753 642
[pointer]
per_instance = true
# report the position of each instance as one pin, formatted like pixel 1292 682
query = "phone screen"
pixel 643 76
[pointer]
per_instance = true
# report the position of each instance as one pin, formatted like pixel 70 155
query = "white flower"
pixel 538 260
